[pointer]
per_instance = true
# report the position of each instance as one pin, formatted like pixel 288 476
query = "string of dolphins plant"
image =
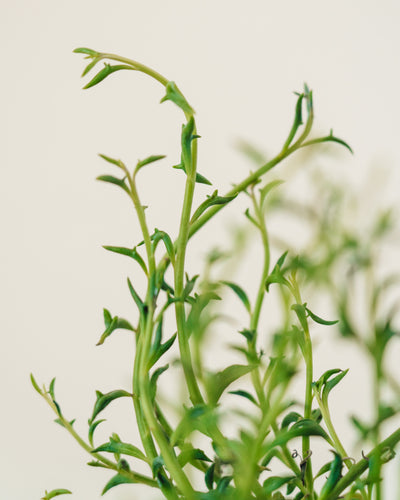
pixel 240 467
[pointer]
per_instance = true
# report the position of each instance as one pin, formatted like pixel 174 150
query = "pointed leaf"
pixel 218 382
pixel 85 50
pixel 304 427
pixel 119 448
pixel 331 384
pixel 136 297
pixel 35 385
pixel 334 475
pixel 115 481
pixel 153 380
pixel 150 159
pixel 113 161
pixel 267 189
pixel 106 71
pixel 274 482
pixel 200 179
pixel 103 400
pixel 55 493
pixel 214 199
pixel 92 428
pixel 319 320
pixel 290 418
pixel 114 180
pixel 161 350
pixel 129 252
pixel 209 476
pixel 192 454
pixel 175 95
pixel 245 394
pixel 240 293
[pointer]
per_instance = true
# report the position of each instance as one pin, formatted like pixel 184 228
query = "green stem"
pixel 357 469
pixel 181 245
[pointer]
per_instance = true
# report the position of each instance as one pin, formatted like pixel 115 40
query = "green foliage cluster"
pixel 260 461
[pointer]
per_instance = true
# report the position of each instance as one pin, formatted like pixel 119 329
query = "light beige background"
pixel 238 63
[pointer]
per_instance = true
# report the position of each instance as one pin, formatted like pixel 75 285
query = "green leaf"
pixel 103 400
pixel 136 298
pixel 329 385
pixel 92 428
pixel 55 493
pixel 35 385
pixel 245 394
pixel 240 293
pixel 175 95
pixel 129 252
pixel 114 180
pixel 300 311
pixel 113 324
pixel 51 388
pixel 334 476
pixel 267 189
pixel 150 159
pixel 319 320
pixel 304 427
pixel 161 350
pixel 218 382
pixel 119 448
pixel 199 178
pixel 214 199
pixel 277 275
pixel 290 418
pixel 115 481
pixel 106 71
pixel 189 286
pixel 153 380
pixel 157 465
pixel 59 421
pixel 191 454
pixel 113 161
pixel 298 120
pixel 274 482
pixel 163 236
pixel 84 50
pixel 209 476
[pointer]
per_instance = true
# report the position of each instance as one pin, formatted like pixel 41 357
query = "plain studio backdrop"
pixel 238 63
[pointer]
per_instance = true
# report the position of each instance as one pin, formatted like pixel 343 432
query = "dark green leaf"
pixel 240 293
pixel 114 180
pixel 92 428
pixel 248 334
pixel 175 95
pixel 330 384
pixel 277 275
pixel 214 199
pixel 334 476
pixel 209 476
pixel 319 320
pixel 245 394
pixel 106 71
pixel 55 493
pixel 129 252
pixel 223 483
pixel 51 388
pixel 200 179
pixel 115 481
pixel 274 482
pixel 157 465
pixel 115 324
pixel 290 418
pixel 162 235
pixel 304 427
pixel 300 311
pixel 119 448
pixel 189 286
pixel 192 454
pixel 136 298
pixel 153 380
pixel 298 120
pixel 161 350
pixel 103 400
pixel 219 381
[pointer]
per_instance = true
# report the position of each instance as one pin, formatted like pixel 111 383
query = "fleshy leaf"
pixel 114 180
pixel 150 159
pixel 106 71
pixel 218 382
pixel 240 293
pixel 35 385
pixel 129 252
pixel 319 320
pixel 115 481
pixel 92 428
pixel 192 454
pixel 120 448
pixel 85 50
pixel 274 482
pixel 214 199
pixel 245 394
pixel 103 400
pixel 304 427
pixel 55 493
pixel 113 161
pixel 334 475
pixel 175 95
